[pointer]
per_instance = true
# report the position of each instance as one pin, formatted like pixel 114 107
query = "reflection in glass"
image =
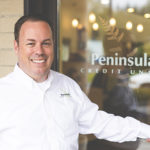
pixel 92 17
pixel 112 21
pixel 105 2
pixel 111 63
pixel 130 10
pixel 147 15
pixel 75 23
pixel 140 28
pixel 95 26
pixel 129 25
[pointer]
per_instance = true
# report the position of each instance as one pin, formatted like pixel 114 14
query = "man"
pixel 41 109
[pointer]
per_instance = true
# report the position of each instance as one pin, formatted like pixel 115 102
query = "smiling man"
pixel 41 109
pixel 34 48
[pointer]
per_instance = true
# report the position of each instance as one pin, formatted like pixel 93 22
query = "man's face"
pixel 35 49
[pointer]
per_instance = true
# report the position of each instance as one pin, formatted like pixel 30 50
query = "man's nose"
pixel 39 49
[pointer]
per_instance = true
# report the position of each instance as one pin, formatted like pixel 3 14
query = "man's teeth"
pixel 38 61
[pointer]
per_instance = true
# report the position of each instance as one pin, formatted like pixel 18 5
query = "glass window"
pixel 10 11
pixel 105 48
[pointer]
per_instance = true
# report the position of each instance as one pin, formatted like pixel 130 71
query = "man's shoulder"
pixel 58 75
pixel 6 80
pixel 62 78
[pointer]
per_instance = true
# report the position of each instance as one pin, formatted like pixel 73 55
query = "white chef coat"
pixel 50 115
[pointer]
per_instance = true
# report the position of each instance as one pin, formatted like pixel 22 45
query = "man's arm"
pixel 107 126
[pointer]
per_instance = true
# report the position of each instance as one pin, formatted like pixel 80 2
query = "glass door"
pixel 105 48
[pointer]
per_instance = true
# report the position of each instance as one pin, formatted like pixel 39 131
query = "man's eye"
pixel 30 43
pixel 47 43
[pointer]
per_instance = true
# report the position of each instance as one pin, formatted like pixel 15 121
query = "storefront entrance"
pixel 104 46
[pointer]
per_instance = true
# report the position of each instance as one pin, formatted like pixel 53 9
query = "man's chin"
pixel 40 75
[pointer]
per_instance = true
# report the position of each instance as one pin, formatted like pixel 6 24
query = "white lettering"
pixel 94 58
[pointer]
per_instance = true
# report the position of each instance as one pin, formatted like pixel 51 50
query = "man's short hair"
pixel 33 18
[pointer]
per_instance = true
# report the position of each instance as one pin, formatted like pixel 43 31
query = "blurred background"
pixel 103 28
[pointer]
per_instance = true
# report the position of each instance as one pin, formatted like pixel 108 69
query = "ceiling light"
pixel 105 2
pixel 75 23
pixel 129 25
pixel 80 26
pixel 140 28
pixel 92 17
pixel 112 21
pixel 147 16
pixel 130 10
pixel 95 26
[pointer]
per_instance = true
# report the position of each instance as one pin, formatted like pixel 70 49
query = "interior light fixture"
pixel 112 21
pixel 130 10
pixel 75 23
pixel 92 17
pixel 147 15
pixel 105 2
pixel 140 28
pixel 95 26
pixel 80 26
pixel 129 25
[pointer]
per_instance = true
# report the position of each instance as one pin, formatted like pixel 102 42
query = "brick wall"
pixel 10 11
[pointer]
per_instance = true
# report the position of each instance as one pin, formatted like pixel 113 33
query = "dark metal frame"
pixel 49 9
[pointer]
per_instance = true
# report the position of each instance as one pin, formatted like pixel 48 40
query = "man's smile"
pixel 39 61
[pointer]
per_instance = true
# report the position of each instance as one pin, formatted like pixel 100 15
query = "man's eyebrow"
pixel 43 40
pixel 47 40
pixel 31 40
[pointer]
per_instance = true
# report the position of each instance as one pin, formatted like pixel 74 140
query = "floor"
pixel 144 145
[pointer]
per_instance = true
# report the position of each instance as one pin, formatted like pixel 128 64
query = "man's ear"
pixel 16 47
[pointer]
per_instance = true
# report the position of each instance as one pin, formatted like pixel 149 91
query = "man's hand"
pixel 148 140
